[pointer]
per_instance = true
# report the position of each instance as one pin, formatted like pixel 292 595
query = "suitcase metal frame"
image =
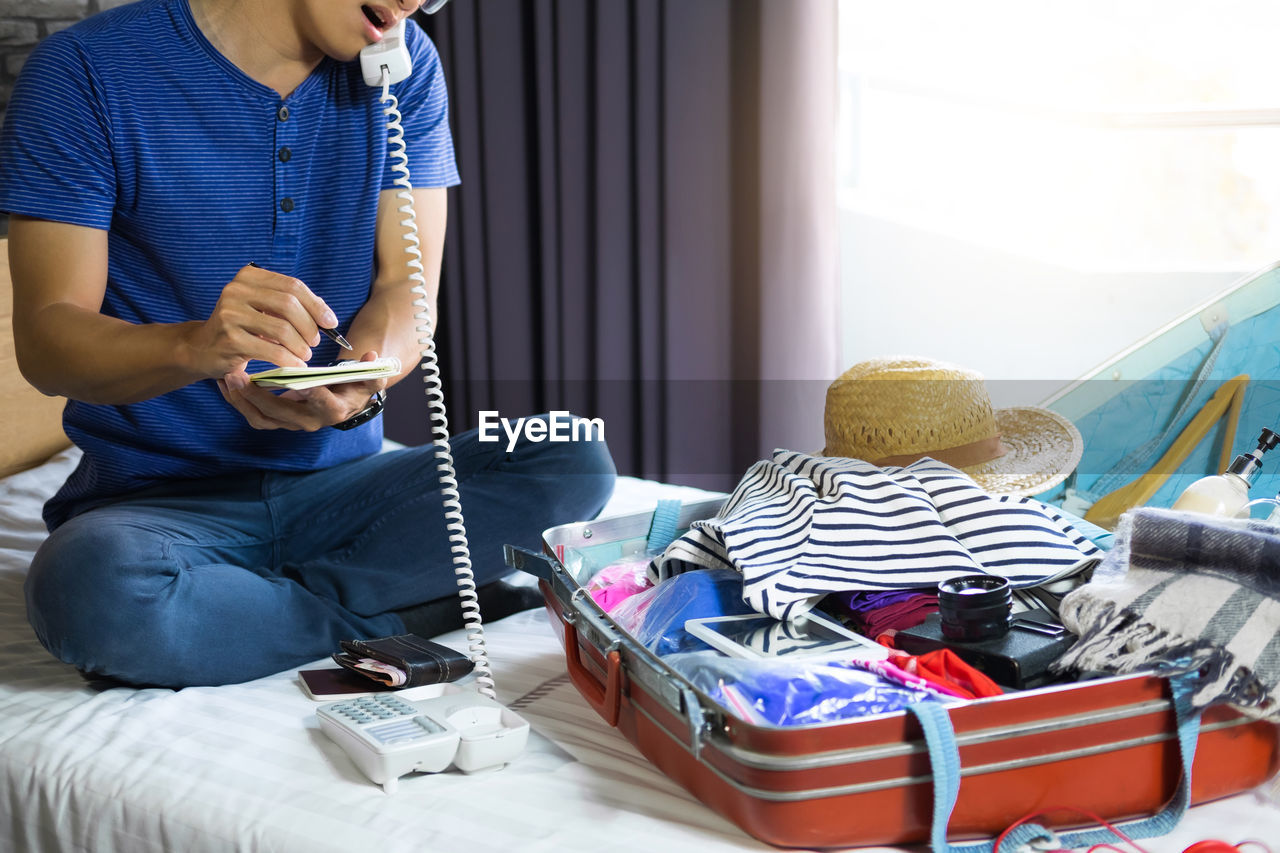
pixel 1106 746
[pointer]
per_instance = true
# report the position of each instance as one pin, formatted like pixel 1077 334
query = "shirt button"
pixel 287 205
pixel 282 113
pixel 285 154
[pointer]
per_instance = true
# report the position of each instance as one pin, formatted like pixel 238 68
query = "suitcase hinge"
pixel 599 632
pixel 695 716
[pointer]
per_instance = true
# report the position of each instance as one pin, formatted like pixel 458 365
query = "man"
pixel 197 187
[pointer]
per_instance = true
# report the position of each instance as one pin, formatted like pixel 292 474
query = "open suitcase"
pixel 1112 747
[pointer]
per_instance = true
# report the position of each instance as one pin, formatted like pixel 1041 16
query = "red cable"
pixel 1086 813
pixel 1206 846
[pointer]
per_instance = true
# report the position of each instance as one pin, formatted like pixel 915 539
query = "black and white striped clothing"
pixel 799 527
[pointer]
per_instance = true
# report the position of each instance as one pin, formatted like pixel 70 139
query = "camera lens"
pixel 974 607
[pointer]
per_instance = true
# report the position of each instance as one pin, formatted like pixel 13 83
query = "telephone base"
pixel 388 736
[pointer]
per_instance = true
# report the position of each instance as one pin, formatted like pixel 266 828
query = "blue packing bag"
pixel 656 616
pixel 786 692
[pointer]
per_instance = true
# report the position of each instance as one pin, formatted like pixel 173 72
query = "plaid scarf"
pixel 1183 588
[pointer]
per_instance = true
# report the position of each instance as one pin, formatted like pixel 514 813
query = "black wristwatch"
pixel 366 414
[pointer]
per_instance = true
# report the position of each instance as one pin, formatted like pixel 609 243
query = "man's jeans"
pixel 233 578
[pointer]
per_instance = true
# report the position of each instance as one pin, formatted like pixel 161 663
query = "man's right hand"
pixel 260 315
pixel 67 347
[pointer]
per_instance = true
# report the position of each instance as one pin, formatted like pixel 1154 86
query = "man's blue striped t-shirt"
pixel 132 121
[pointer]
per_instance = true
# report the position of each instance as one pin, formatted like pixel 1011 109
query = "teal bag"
pixel 1131 409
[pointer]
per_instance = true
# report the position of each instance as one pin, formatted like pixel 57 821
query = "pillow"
pixel 30 422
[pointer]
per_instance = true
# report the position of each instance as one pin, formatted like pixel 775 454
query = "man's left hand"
pixel 309 409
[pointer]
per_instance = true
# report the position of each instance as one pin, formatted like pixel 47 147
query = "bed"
pixel 246 767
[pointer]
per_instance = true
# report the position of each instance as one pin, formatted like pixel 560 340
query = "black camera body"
pixel 1017 659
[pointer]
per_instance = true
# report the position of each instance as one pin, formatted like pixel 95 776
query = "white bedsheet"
pixel 246 768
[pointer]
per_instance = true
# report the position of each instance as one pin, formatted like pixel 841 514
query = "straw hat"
pixel 893 411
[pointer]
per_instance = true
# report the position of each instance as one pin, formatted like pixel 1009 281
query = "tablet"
pixel 810 636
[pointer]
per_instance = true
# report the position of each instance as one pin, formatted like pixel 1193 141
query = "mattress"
pixel 245 767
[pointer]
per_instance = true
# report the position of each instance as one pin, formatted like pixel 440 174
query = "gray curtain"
pixel 645 232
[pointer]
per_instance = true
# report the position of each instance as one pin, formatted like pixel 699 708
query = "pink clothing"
pixel 615 583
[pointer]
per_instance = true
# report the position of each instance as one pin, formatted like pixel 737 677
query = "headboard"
pixel 30 422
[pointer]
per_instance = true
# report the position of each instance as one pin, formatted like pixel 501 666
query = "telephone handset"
pixel 417 740
pixel 390 55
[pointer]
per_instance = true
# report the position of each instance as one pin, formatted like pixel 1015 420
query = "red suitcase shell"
pixel 1107 746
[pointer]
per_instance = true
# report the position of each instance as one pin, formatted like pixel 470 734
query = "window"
pixel 1095 135
pixel 1102 165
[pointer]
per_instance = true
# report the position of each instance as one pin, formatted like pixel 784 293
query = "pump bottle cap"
pixel 1247 465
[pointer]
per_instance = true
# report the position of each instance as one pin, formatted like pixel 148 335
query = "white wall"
pixel 909 292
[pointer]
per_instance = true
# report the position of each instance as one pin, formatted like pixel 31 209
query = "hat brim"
pixel 1043 449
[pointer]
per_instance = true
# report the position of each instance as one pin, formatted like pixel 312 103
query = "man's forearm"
pixel 65 350
pixel 388 325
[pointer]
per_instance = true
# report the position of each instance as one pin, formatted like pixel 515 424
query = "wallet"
pixel 422 661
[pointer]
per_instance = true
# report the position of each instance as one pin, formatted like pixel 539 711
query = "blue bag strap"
pixel 944 761
pixel 944 757
pixel 662 530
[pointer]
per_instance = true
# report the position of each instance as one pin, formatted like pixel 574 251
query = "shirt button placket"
pixel 286 227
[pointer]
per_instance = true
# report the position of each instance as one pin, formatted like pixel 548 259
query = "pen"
pixel 331 334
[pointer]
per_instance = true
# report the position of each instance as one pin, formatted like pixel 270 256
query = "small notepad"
pixel 297 378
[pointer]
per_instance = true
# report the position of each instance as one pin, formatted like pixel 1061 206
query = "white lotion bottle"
pixel 1226 494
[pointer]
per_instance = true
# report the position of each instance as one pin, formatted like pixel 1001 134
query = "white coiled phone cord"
pixel 435 400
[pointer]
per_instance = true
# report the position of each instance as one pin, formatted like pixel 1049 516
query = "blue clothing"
pixel 657 620
pixel 132 121
pixel 786 692
pixel 238 577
